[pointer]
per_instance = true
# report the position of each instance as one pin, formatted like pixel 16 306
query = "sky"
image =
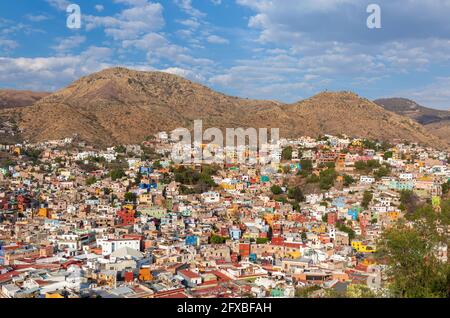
pixel 284 50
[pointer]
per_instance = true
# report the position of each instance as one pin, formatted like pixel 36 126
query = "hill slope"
pixel 435 121
pixel 123 106
pixel 10 98
pixel 409 108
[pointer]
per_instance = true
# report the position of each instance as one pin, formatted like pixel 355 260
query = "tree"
pixel 388 155
pixel 367 198
pixel 304 236
pixel 33 154
pixel 446 188
pixel 348 180
pixel 90 181
pixel 296 207
pixel 344 228
pixel 307 167
pixel 359 291
pixel 382 172
pixel 327 178
pixel 409 201
pixel 216 239
pixel 117 174
pixel 130 197
pixel 276 189
pixel 262 240
pixel 120 149
pixel 306 292
pixel 157 165
pixel 413 269
pixel 360 165
pixel 286 154
pixel 296 194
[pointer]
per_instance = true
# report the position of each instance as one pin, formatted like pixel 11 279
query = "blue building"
pixel 192 240
pixel 353 212
pixel 146 170
pixel 235 234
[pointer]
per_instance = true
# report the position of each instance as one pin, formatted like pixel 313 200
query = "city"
pixel 125 222
pixel 222 157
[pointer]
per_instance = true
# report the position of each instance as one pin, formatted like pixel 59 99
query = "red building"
pixel 332 218
pixel 126 217
pixel 244 249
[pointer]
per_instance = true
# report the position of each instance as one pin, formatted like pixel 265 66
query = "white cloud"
pixel 99 8
pixel 189 74
pixel 50 73
pixel 37 17
pixel 7 45
pixel 59 4
pixel 141 18
pixel 215 39
pixel 186 6
pixel 66 44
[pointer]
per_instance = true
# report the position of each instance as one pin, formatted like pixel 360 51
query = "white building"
pixel 366 180
pixel 211 197
pixel 110 246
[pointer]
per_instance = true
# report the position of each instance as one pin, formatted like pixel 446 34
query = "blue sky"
pixel 268 49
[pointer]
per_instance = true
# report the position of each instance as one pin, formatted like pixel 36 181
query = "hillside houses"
pixel 127 222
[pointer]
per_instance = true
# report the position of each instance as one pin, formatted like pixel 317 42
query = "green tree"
pixel 359 291
pixel 304 236
pixel 409 201
pixel 388 155
pixel 130 197
pixel 120 149
pixel 382 172
pixel 307 167
pixel 216 239
pixel 157 165
pixel 327 179
pixel 117 174
pixel 286 154
pixel 276 189
pixel 446 188
pixel 262 240
pixel 360 165
pixel 90 181
pixel 344 228
pixel 296 194
pixel 348 180
pixel 413 269
pixel 367 198
pixel 306 292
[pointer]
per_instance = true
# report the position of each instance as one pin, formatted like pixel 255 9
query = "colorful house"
pixel 362 247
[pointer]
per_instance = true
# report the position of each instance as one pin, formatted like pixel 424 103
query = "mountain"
pixel 435 121
pixel 347 113
pixel 10 98
pixel 409 108
pixel 123 106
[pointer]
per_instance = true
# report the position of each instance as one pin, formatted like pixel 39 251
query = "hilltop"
pixel 118 105
pixel 10 98
pixel 435 121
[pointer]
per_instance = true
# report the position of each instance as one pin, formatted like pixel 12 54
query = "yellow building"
pixel 361 247
pixel 42 213
pixel 55 295
pixel 319 229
